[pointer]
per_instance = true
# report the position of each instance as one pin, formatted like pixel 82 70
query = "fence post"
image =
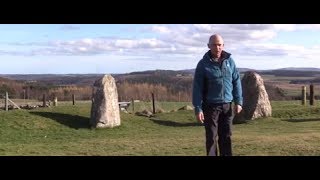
pixel 44 100
pixel 28 93
pixel 24 96
pixel 132 101
pixel 304 95
pixel 311 94
pixel 55 101
pixel 153 106
pixel 6 101
pixel 73 99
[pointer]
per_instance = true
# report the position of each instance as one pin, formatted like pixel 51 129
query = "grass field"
pixel 63 130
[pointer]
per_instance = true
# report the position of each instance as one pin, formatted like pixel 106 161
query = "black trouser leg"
pixel 224 130
pixel 211 117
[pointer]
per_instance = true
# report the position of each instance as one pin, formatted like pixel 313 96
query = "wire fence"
pixel 8 102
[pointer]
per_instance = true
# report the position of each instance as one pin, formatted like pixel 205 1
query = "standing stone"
pixel 105 108
pixel 256 102
pixel 55 101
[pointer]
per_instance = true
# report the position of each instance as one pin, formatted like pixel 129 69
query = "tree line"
pixel 127 90
pixel 165 88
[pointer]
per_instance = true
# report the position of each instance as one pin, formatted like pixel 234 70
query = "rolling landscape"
pixel 52 104
pixel 168 85
pixel 63 130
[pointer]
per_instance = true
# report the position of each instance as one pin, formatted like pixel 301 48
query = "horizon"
pixel 154 70
pixel 126 48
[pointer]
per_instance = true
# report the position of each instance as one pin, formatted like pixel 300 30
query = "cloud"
pixel 278 51
pixel 176 40
pixel 285 27
pixel 138 44
pixel 68 27
pixel 294 27
pixel 160 29
pixel 263 34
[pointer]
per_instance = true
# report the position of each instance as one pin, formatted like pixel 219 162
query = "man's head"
pixel 216 45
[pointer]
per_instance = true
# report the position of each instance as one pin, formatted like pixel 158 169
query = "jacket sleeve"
pixel 237 88
pixel 198 83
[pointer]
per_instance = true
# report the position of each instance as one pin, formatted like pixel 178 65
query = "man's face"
pixel 216 47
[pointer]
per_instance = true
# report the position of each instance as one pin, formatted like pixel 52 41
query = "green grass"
pixel 166 106
pixel 63 130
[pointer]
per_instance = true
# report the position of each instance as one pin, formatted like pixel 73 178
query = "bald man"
pixel 216 86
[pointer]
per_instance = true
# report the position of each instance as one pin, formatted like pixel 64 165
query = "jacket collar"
pixel 224 55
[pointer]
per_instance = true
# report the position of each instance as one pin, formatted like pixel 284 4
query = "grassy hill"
pixel 64 130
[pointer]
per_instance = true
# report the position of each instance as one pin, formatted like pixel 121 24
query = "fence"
pixel 304 95
pixel 6 102
pixel 152 105
pixel 25 104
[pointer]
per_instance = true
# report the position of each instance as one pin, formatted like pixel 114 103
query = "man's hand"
pixel 237 108
pixel 200 117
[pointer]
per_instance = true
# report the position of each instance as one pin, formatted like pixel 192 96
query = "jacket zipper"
pixel 223 74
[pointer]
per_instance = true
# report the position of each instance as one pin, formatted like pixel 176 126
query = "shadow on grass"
pixel 72 121
pixel 240 122
pixel 174 124
pixel 302 119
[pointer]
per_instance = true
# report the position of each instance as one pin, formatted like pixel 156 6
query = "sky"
pixel 125 48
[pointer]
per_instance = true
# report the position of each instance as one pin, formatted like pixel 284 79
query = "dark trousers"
pixel 218 121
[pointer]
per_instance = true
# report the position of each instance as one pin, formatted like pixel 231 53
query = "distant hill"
pixel 183 72
pixel 150 76
pixel 288 70
pixel 292 73
pixel 300 69
pixel 55 79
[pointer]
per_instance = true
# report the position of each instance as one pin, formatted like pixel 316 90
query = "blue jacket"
pixel 215 83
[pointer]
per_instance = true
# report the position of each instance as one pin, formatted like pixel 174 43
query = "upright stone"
pixel 256 102
pixel 105 109
pixel 55 101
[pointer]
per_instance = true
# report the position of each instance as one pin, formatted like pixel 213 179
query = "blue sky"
pixel 123 48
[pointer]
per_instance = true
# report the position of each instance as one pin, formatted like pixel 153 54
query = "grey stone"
pixel 105 109
pixel 256 102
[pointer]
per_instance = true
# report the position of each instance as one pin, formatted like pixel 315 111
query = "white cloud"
pixel 82 49
pixel 160 29
pixel 263 35
pixel 141 43
pixel 125 43
pixel 285 27
pixel 183 41
pixel 315 27
pixel 293 27
pixel 204 28
pixel 88 41
pixel 68 27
